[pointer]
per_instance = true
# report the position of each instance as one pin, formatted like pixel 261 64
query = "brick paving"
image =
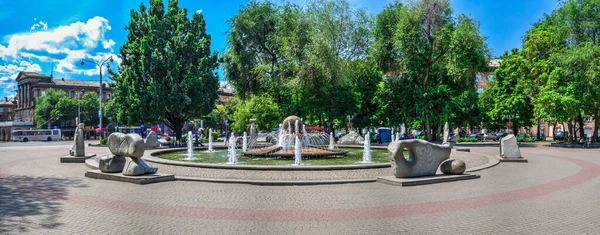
pixel 470 159
pixel 555 193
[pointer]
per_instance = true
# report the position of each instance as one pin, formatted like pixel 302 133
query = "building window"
pixel 490 78
pixel 43 93
pixel 478 78
pixel 1 109
pixel 107 96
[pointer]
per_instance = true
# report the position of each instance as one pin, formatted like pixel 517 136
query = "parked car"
pixel 500 135
pixel 560 135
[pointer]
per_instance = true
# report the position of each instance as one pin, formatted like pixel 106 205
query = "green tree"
pixel 507 94
pixel 261 107
pixel 44 106
pixel 89 109
pixel 435 58
pixel 167 69
pixel 65 110
pixel 364 77
pixel 110 110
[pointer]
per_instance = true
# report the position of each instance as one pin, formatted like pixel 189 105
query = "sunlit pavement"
pixel 555 193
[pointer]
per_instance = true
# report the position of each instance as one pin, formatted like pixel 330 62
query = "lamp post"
pixel 79 106
pixel 101 94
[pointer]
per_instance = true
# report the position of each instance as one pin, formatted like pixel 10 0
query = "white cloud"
pixel 41 25
pixel 199 11
pixel 65 46
pixel 8 74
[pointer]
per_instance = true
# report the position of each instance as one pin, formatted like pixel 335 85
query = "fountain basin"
pixel 219 160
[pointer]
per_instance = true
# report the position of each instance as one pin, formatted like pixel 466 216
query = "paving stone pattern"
pixel 555 193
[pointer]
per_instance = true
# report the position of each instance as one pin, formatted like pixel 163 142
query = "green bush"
pixel 525 139
pixel 104 141
pixel 421 137
pixel 215 136
pixel 467 139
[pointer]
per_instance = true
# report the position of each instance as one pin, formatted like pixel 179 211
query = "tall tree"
pixel 436 55
pixel 260 107
pixel 167 69
pixel 44 106
pixel 507 95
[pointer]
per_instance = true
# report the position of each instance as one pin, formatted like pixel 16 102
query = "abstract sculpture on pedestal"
pixel 78 148
pixel 127 150
pixel 424 158
pixel 509 149
pixel 151 140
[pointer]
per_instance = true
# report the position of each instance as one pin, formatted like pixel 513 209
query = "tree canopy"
pixel 167 69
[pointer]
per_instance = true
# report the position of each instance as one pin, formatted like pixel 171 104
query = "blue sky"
pixel 44 36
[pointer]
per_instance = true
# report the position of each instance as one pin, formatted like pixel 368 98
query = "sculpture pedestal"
pixel 142 179
pixel 512 159
pixel 413 181
pixel 73 159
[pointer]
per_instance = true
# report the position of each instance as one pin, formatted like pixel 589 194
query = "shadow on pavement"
pixel 32 202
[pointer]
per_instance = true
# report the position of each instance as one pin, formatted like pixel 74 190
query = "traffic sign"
pixel 509 124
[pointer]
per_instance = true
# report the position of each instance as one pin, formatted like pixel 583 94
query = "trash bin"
pixel 385 133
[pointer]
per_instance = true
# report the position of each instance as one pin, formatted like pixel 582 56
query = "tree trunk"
pixel 539 128
pixel 277 82
pixel 439 129
pixel 427 129
pixel 570 126
pixel 554 130
pixel 595 133
pixel 581 125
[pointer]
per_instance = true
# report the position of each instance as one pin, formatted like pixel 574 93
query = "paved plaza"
pixel 555 193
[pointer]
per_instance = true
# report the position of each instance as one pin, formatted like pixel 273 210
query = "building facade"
pixel 33 85
pixel 7 109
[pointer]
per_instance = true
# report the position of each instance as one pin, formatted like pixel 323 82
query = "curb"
pixel 275 182
pixel 265 168
pixel 493 161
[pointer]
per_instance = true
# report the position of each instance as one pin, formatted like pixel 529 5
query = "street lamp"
pixel 101 94
pixel 79 105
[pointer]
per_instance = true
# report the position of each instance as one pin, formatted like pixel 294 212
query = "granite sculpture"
pixel 453 167
pixel 151 140
pixel 509 148
pixel 78 147
pixel 352 138
pixel 127 150
pixel 423 157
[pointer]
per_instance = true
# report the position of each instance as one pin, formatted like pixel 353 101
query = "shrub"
pixel 104 141
pixel 467 139
pixel 215 136
pixel 421 137
pixel 525 139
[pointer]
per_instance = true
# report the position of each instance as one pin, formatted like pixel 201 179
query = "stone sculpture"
pixel 111 164
pixel 423 157
pixel 509 147
pixel 352 138
pixel 78 148
pixel 151 140
pixel 453 167
pixel 127 150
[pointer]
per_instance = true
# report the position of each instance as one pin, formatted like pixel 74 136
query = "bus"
pixel 36 135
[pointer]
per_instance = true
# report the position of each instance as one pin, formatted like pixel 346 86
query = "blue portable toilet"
pixel 385 134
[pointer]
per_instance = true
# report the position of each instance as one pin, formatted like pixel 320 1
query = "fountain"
pixel 397 136
pixel 331 140
pixel 298 153
pixel 367 150
pixel 232 154
pixel 282 144
pixel 190 148
pixel 245 142
pixel 210 141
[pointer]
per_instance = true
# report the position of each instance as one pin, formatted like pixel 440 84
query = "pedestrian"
pixel 378 137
